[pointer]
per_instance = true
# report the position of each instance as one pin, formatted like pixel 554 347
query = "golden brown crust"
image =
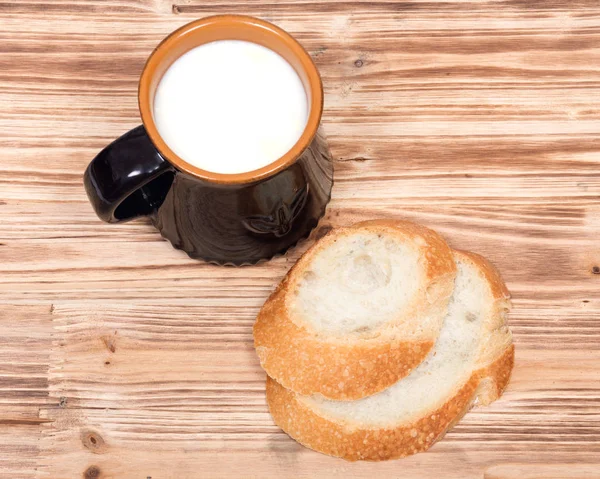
pixel 491 273
pixel 497 334
pixel 347 368
pixel 376 444
pixel 500 371
pixel 342 370
pixel 438 254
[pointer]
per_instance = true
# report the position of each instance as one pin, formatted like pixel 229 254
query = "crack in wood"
pixel 358 159
pixel 27 421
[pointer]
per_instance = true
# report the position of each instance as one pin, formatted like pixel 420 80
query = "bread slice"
pixel 471 363
pixel 359 310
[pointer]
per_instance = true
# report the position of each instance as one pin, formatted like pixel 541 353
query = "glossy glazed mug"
pixel 224 218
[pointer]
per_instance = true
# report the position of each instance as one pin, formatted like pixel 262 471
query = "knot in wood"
pixel 92 472
pixel 93 441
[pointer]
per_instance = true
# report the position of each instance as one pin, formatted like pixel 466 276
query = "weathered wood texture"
pixel 120 357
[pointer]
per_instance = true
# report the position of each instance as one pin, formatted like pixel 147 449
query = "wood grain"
pixel 120 357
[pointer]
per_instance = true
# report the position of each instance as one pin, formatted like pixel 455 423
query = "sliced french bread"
pixel 470 364
pixel 359 310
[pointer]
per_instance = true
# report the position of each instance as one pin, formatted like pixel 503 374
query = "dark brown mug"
pixel 224 218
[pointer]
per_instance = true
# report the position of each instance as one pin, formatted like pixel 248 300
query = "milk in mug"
pixel 230 106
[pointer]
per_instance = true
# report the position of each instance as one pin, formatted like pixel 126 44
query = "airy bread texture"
pixel 470 364
pixel 359 310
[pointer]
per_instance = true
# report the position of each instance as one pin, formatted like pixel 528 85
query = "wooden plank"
pixel 159 380
pixel 25 343
pixel 543 471
pixel 19 450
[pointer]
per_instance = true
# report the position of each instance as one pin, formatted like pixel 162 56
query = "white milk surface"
pixel 230 106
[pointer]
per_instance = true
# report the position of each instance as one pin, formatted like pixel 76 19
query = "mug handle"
pixel 127 179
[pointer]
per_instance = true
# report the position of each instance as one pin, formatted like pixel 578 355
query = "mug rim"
pixel 216 22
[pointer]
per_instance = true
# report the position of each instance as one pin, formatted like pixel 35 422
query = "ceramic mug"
pixel 224 218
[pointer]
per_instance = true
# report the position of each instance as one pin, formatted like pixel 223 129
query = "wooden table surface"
pixel 122 358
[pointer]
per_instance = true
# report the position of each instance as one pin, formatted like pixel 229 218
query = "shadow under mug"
pixel 224 218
